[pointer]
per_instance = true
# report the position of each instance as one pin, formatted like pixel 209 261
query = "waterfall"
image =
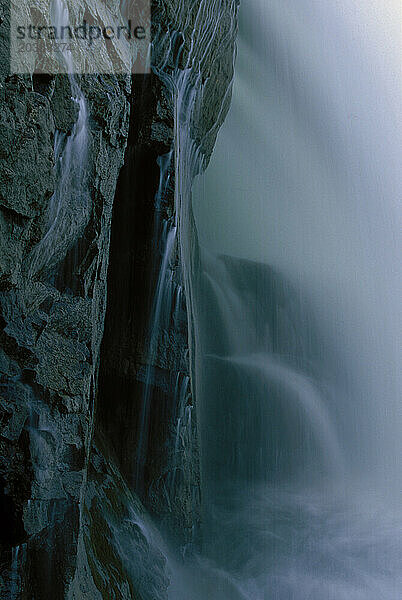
pixel 186 87
pixel 183 433
pixel 161 312
pixel 18 559
pixel 296 312
pixel 14 573
pixel 69 207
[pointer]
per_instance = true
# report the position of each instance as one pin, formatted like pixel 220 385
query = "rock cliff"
pixel 71 527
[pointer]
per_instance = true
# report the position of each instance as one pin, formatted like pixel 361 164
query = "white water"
pixel 160 317
pixel 69 207
pixel 185 87
pixel 299 369
pixel 18 559
pixel 312 187
pixel 300 387
pixel 184 432
pixel 14 573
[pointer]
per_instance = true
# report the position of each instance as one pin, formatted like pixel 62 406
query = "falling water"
pixel 17 571
pixel 14 573
pixel 162 306
pixel 297 312
pixel 69 207
pixel 183 433
pixel 185 86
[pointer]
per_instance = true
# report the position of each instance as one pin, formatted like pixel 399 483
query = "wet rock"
pixel 62 497
pixel 51 323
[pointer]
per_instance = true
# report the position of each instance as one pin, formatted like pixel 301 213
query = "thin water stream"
pixel 70 204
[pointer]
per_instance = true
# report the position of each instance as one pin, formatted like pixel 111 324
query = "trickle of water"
pixel 178 304
pixel 183 435
pixel 69 207
pixel 162 305
pixel 14 587
pixel 16 572
pixel 165 165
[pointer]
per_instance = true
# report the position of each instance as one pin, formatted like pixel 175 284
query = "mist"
pixel 305 178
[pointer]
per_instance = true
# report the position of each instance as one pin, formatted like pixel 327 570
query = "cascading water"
pixel 67 215
pixel 14 579
pixel 297 357
pixel 185 86
pixel 162 310
pixel 69 207
pixel 183 434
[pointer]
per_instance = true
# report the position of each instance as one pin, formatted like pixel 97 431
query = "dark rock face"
pixel 51 322
pixel 70 526
pixel 135 261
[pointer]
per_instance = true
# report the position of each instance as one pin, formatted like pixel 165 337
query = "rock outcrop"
pixel 51 320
